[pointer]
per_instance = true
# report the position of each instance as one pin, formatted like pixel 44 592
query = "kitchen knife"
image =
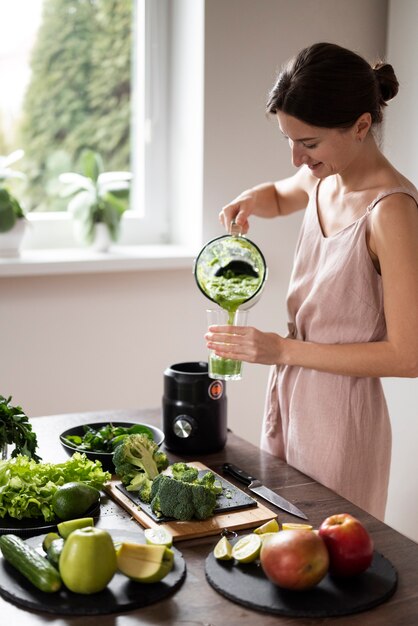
pixel 255 486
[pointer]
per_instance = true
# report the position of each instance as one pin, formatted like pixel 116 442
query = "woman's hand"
pixel 261 200
pixel 238 211
pixel 245 343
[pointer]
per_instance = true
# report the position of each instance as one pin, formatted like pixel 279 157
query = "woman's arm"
pixel 269 200
pixel 394 239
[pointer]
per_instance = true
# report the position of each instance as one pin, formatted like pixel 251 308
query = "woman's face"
pixel 325 151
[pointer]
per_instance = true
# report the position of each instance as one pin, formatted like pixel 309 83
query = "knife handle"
pixel 238 473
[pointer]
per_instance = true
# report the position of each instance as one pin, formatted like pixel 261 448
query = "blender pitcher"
pixel 231 271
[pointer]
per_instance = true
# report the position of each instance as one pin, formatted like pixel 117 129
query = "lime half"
pixel 223 550
pixel 272 526
pixel 247 549
pixel 158 537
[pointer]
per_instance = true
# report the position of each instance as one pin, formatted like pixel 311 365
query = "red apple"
pixel 349 544
pixel 294 559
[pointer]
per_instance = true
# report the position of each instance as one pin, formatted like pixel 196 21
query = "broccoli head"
pixel 137 453
pixel 181 500
pixel 171 498
pixel 204 501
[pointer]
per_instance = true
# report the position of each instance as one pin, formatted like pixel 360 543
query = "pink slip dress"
pixel 333 428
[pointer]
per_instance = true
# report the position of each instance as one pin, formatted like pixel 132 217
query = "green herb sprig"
pixel 16 429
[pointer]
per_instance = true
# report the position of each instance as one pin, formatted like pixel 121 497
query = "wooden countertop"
pixel 196 603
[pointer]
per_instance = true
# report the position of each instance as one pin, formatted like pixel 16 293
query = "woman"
pixel 353 294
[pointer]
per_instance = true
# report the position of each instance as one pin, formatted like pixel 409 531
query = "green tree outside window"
pixel 79 95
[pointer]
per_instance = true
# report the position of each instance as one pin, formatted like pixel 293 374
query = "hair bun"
pixel 388 83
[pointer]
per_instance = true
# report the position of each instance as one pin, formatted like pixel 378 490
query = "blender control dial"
pixel 184 426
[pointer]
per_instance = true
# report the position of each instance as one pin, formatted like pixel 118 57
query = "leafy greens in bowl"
pixel 98 440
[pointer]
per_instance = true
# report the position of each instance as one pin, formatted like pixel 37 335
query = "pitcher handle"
pixel 235 229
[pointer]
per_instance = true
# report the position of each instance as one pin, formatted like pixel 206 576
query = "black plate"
pixel 247 585
pixel 237 500
pixel 28 527
pixel 120 595
pixel 105 458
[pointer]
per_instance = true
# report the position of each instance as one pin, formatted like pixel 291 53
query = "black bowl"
pixel 106 458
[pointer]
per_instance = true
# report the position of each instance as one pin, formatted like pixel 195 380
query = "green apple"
pixel 144 563
pixel 88 560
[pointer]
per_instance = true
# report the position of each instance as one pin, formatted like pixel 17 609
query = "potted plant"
pixel 98 199
pixel 12 215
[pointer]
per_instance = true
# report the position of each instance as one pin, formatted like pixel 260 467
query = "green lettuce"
pixel 27 487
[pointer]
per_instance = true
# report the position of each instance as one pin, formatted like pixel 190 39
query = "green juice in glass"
pixel 229 291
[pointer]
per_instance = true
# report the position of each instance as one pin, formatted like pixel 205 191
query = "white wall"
pixel 246 42
pixel 401 146
pixel 102 341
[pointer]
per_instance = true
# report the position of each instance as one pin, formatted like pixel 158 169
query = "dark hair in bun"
pixel 329 86
pixel 388 83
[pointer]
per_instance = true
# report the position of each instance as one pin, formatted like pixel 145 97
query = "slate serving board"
pixel 235 500
pixel 250 516
pixel 247 585
pixel 120 595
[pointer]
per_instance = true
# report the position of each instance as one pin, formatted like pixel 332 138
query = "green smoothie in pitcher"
pixel 230 290
pixel 230 271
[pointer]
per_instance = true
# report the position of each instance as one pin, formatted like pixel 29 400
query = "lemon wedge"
pixel 223 550
pixel 158 537
pixel 247 549
pixel 295 526
pixel 272 526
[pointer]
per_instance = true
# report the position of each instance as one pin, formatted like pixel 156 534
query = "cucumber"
pixel 54 551
pixel 30 563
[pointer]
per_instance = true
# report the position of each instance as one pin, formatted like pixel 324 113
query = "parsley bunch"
pixel 16 429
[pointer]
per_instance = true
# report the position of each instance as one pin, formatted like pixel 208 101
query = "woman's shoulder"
pixel 392 189
pixel 395 211
pixel 398 191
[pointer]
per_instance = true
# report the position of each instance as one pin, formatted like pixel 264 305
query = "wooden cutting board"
pixel 232 520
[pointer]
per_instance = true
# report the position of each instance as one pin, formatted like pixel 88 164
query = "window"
pixel 163 113
pixel 77 73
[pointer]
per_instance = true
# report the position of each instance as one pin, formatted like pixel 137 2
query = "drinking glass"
pixel 219 367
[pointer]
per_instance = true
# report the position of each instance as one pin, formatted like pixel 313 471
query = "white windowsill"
pixel 80 261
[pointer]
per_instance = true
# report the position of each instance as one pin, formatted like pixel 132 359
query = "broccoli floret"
pixel 142 484
pixel 161 460
pixel 138 453
pixel 209 481
pixel 181 500
pixel 184 472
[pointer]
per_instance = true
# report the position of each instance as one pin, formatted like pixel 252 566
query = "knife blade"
pixel 257 487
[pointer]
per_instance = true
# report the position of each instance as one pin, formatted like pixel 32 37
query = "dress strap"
pixel 389 192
